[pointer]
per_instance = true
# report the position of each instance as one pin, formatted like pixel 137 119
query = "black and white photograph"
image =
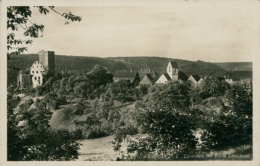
pixel 130 81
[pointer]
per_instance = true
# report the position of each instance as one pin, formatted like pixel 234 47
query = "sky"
pixel 191 30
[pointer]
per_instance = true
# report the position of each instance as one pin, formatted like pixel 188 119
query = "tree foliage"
pixel 30 136
pixel 19 17
pixel 233 126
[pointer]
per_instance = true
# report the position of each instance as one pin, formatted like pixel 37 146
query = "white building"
pixel 43 69
pixel 37 71
pixel 195 79
pixel 172 73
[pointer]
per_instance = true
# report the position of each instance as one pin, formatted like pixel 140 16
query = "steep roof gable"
pixel 173 64
pixel 182 76
pixel 147 79
pixel 167 76
pixel 196 77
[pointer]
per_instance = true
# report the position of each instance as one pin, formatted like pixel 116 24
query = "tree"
pixel 233 125
pixel 35 140
pixel 18 17
pixel 166 121
pixel 100 75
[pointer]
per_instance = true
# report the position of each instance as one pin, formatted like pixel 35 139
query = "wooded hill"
pixel 236 66
pixel 80 63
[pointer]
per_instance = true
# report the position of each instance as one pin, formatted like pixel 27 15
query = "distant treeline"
pixel 80 63
pixel 159 64
pixel 235 66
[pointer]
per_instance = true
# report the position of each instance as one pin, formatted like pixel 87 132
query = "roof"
pixel 143 72
pixel 182 76
pixel 174 64
pixel 125 74
pixel 196 77
pixel 147 79
pixel 167 76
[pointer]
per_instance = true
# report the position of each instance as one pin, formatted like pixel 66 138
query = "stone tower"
pixel 47 59
pixel 172 70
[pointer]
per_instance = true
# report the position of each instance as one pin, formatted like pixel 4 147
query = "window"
pixel 35 78
pixel 37 66
pixel 38 78
pixel 36 71
pixel 32 71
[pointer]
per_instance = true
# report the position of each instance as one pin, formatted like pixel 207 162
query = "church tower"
pixel 172 70
pixel 47 59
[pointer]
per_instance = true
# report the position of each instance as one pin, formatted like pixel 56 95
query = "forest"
pixel 162 123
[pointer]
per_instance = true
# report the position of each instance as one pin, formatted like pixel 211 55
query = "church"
pixel 172 73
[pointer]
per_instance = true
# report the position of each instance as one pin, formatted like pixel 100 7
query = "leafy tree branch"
pixel 18 17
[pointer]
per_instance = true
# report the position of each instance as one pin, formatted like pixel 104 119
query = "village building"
pixel 195 79
pixel 228 79
pixel 43 69
pixel 148 76
pixel 143 72
pixel 164 78
pixel 173 74
pixel 148 79
pixel 24 80
pixel 128 75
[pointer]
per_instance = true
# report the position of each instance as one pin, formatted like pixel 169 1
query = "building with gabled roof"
pixel 148 79
pixel 143 72
pixel 43 69
pixel 195 79
pixel 172 70
pixel 182 76
pixel 131 75
pixel 164 78
pixel 173 74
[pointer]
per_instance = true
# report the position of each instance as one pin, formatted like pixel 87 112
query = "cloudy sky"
pixel 204 30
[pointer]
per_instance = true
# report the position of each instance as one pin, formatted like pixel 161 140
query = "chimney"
pixel 141 69
pixel 131 70
pixel 149 70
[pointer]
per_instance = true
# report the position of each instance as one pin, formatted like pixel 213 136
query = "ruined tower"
pixel 47 59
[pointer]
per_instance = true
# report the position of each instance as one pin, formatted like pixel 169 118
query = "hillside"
pixel 159 64
pixel 236 66
pixel 79 63
pixel 71 63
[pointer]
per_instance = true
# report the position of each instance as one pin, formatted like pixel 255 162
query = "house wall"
pixel 162 80
pixel 173 72
pixel 192 80
pixel 37 70
pixel 146 81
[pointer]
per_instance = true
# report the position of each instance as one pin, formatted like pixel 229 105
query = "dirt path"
pixel 99 149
